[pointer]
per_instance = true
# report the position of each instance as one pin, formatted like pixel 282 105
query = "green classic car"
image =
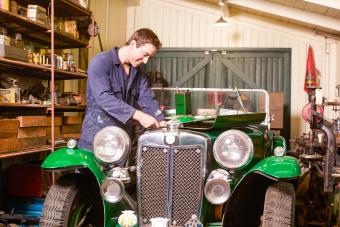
pixel 215 164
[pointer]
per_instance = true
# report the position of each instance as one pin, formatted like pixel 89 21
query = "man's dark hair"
pixel 145 35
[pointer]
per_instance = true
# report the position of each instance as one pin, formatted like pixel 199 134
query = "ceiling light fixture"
pixel 221 21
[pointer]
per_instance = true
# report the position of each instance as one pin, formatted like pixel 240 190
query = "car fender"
pixel 67 158
pixel 278 167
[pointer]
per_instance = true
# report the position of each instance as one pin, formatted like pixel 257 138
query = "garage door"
pixel 225 68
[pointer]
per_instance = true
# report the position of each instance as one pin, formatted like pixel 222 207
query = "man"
pixel 116 90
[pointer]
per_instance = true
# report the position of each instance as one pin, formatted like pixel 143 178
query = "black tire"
pixel 279 205
pixel 69 193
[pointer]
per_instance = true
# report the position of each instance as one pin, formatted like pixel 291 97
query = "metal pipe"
pixel 329 160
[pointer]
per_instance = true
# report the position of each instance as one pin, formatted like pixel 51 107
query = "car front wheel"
pixel 69 202
pixel 279 205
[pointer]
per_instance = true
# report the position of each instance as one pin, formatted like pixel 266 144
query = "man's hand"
pixel 162 124
pixel 145 120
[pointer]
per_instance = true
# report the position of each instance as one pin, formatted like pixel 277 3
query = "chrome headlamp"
pixel 112 190
pixel 217 189
pixel 233 149
pixel 111 145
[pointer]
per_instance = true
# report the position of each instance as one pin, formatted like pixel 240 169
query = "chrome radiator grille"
pixel 153 182
pixel 170 182
pixel 187 183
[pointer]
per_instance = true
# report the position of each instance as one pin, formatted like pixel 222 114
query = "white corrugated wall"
pixel 181 23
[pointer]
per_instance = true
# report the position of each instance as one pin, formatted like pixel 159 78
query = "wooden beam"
pixel 335 4
pixel 290 13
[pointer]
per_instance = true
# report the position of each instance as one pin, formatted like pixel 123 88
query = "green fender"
pixel 66 158
pixel 283 167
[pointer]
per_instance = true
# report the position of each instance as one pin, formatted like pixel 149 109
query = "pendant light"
pixel 221 21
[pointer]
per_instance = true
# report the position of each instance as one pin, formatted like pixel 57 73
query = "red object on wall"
pixel 312 77
pixel 307 112
pixel 25 180
pixel 215 98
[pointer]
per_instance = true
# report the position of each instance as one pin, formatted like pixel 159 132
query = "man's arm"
pixel 100 84
pixel 147 100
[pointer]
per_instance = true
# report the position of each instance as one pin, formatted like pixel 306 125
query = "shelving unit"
pixel 39 71
pixel 42 36
pixel 37 32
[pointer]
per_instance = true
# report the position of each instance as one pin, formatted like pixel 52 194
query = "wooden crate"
pixel 57 121
pixel 65 129
pixel 71 136
pixel 29 132
pixel 30 121
pixel 32 142
pixel 9 144
pixel 72 120
pixel 57 132
pixel 21 143
pixel 9 128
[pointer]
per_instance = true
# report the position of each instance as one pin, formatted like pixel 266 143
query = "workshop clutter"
pixel 11 92
pixel 62 60
pixel 12 46
pixel 27 186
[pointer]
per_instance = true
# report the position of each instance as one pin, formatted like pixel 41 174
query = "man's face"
pixel 140 55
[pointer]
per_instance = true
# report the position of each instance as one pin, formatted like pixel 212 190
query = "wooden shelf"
pixel 9 154
pixel 38 33
pixel 44 108
pixel 63 8
pixel 45 148
pixel 34 70
pixel 22 106
pixel 59 108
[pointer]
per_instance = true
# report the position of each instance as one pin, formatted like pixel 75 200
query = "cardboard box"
pixel 5 40
pixel 7 96
pixel 275 109
pixel 12 52
pixel 36 13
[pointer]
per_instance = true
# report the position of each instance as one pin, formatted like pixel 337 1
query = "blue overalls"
pixel 112 97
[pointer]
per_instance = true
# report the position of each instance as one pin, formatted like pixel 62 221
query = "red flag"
pixel 312 77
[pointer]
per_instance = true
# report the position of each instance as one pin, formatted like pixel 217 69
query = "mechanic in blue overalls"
pixel 117 92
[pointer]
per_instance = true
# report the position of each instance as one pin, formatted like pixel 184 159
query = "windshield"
pixel 210 102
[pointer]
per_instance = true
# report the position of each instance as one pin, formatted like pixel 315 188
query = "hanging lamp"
pixel 221 21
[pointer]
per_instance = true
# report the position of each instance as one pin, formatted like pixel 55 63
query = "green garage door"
pixel 224 68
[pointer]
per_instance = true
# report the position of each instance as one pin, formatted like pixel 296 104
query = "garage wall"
pixel 181 23
pixel 110 16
